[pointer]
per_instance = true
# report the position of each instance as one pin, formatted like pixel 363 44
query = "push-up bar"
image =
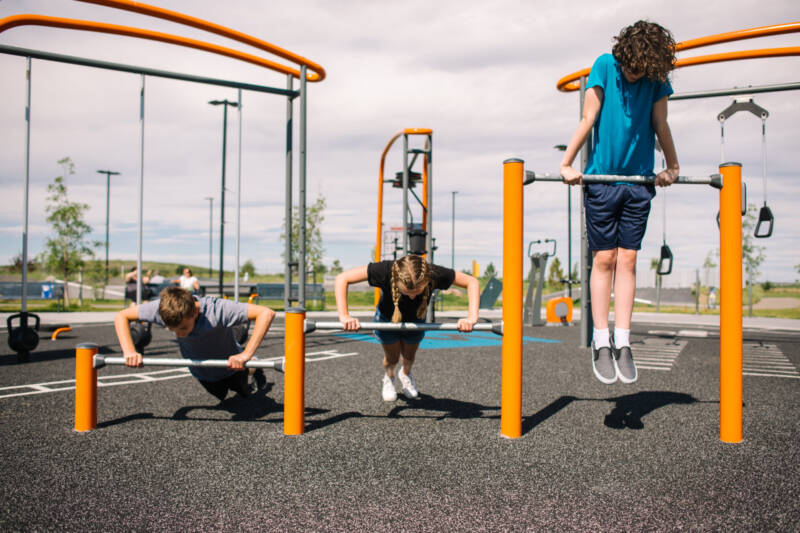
pixel 99 361
pixel 715 180
pixel 494 327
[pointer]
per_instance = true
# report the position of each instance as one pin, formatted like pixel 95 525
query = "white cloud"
pixel 481 75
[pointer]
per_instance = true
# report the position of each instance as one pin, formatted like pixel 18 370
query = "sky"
pixel 481 75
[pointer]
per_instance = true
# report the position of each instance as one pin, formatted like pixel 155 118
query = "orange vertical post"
pixel 511 380
pixel 85 387
pixel 295 372
pixel 730 320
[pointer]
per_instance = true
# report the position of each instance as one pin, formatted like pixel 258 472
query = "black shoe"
pixel 260 379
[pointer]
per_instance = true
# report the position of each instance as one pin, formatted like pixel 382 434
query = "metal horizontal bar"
pixel 715 180
pixel 494 327
pixel 101 361
pixel 737 90
pixel 74 60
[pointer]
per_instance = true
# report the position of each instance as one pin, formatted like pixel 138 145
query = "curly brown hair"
pixel 646 48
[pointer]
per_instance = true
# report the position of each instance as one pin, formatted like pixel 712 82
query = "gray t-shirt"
pixel 212 336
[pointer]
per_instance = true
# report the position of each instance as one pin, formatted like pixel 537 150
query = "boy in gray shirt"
pixel 204 330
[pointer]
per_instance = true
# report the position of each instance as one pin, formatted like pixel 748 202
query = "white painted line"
pixel 142 377
pixel 771 375
pixel 698 333
pixel 652 367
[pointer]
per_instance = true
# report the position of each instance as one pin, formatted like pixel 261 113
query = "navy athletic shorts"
pixel 391 337
pixel 616 214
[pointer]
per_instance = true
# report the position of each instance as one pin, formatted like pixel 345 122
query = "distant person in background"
pixel 156 278
pixel 130 285
pixel 188 281
pixel 711 303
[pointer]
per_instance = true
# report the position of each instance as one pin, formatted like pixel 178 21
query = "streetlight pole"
pixel 224 103
pixel 453 231
pixel 108 174
pixel 210 232
pixel 563 148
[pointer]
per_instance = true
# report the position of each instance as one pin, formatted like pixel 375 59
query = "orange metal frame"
pixel 571 82
pixel 378 240
pixel 317 73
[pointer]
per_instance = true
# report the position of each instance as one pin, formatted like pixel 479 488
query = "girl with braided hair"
pixel 406 287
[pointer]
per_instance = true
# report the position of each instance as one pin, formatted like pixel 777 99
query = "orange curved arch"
pixel 571 81
pixel 378 241
pixel 86 25
pixel 187 20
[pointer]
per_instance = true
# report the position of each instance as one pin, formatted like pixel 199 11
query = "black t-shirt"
pixel 380 275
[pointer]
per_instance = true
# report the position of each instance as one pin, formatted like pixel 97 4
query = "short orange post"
pixel 730 320
pixel 85 387
pixel 511 372
pixel 295 372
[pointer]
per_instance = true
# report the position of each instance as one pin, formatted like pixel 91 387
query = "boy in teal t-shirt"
pixel 626 109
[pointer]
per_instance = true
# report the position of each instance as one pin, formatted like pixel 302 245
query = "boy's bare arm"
pixel 593 101
pixel 664 135
pixel 263 317
pixel 122 327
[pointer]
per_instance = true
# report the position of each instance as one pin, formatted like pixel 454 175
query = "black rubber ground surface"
pixel 167 457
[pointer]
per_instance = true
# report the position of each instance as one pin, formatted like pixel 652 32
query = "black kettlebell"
pixel 241 332
pixel 141 335
pixel 23 339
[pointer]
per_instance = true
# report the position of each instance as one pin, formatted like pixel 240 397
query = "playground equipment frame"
pixel 317 74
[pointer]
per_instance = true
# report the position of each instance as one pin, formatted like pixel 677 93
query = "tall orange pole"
pixel 295 372
pixel 511 380
pixel 730 320
pixel 85 387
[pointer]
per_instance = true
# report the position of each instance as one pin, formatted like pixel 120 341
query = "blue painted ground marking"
pixel 435 340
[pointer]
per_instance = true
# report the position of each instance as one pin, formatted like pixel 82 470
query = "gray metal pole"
pixel 222 198
pixel 429 207
pixel 108 209
pixel 210 234
pixel 24 295
pixel 238 201
pixel 405 194
pixel 141 199
pixel 697 291
pixel 301 282
pixel 587 323
pixel 287 279
pixel 108 174
pixel 453 231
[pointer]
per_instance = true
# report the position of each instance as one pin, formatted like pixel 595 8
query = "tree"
pixel 68 246
pixel 336 268
pixel 248 268
pixel 489 272
pixel 709 264
pixel 314 249
pixel 16 264
pixel 555 275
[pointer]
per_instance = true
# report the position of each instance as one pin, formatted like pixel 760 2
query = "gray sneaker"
pixel 624 365
pixel 603 365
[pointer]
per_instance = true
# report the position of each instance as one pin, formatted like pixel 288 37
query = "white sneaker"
pixel 408 383
pixel 389 391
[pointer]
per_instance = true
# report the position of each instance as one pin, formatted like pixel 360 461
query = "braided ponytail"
pixel 396 315
pixel 424 277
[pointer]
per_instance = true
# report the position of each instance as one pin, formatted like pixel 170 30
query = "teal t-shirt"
pixel 624 138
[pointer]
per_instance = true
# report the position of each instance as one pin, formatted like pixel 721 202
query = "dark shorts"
pixel 391 337
pixel 616 215
pixel 237 382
